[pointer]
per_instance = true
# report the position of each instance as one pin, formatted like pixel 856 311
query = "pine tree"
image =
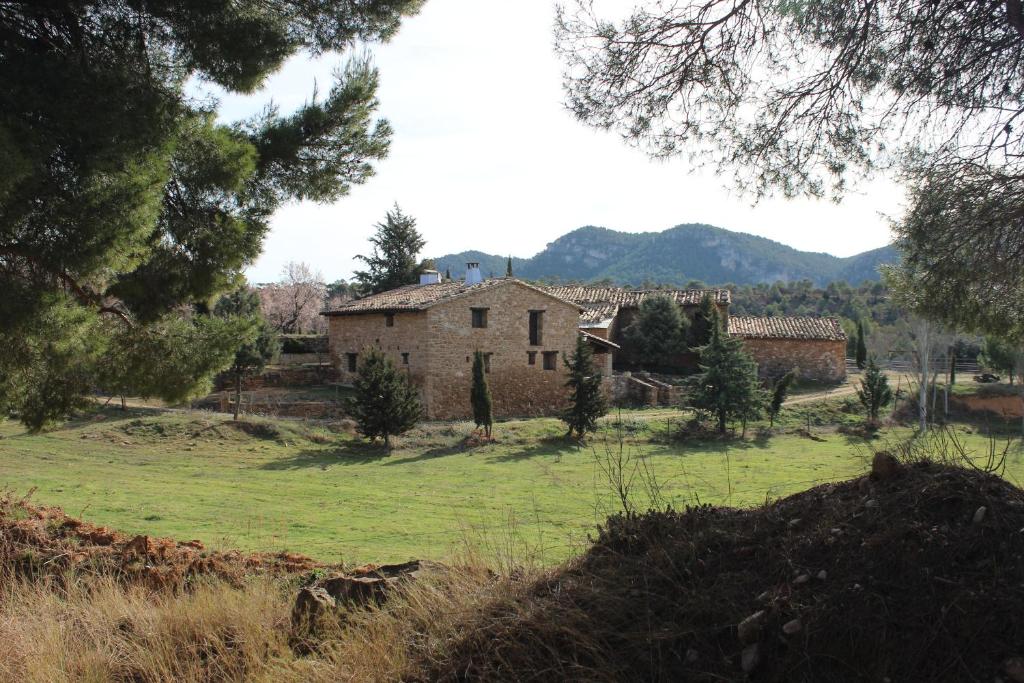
pixel 252 355
pixel 392 264
pixel 727 384
pixel 448 274
pixel 586 400
pixel 385 402
pixel 508 268
pixel 480 396
pixel 126 198
pixel 779 392
pixel 874 392
pixel 862 349
pixel 659 332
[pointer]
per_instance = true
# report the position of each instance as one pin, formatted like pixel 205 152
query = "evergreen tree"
pixel 480 396
pixel 508 268
pixel 396 245
pixel 862 349
pixel 727 384
pixel 658 333
pixel 1001 355
pixel 123 195
pixel 874 392
pixel 700 329
pixel 252 355
pixel 779 393
pixel 448 274
pixel 385 402
pixel 586 401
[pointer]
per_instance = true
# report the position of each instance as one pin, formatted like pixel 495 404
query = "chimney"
pixel 430 277
pixel 473 275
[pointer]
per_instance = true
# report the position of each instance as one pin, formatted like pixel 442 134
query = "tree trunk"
pixel 124 405
pixel 387 441
pixel 721 421
pixel 238 394
pixel 923 353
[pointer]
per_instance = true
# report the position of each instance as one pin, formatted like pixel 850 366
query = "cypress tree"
pixel 874 392
pixel 862 349
pixel 586 402
pixel 779 393
pixel 658 333
pixel 480 396
pixel 508 268
pixel 385 403
pixel 952 365
pixel 700 330
pixel 727 385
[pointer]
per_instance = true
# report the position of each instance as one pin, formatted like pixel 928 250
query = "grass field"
pixel 288 485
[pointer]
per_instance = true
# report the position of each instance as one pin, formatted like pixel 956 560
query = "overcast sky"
pixel 485 156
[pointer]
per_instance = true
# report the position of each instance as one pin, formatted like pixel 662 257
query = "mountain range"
pixel 676 256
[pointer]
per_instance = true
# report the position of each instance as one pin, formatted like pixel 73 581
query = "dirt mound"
pixel 916 575
pixel 43 541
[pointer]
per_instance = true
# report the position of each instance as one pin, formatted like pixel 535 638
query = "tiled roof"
pixel 422 297
pixel 599 341
pixel 795 327
pixel 597 315
pixel 630 298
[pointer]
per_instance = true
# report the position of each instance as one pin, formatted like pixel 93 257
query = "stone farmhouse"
pixel 432 329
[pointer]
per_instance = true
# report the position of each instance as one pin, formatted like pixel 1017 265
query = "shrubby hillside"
pixel 676 256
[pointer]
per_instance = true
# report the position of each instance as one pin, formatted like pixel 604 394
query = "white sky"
pixel 485 156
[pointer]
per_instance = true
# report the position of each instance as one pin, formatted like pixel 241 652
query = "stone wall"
pixel 356 333
pixel 818 360
pixel 517 388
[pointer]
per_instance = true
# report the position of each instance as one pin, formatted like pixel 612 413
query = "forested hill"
pixel 676 257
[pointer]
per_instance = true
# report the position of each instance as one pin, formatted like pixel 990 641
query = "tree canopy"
pixel 396 244
pixel 658 333
pixel 124 201
pixel 802 97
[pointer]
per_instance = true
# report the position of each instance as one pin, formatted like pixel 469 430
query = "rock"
pixel 872 503
pixel 1014 669
pixel 749 630
pixel 750 658
pixel 836 531
pixel 803 578
pixel 692 656
pixel 792 627
pixel 822 575
pixel 358 591
pixel 311 604
pixel 979 514
pixel 764 597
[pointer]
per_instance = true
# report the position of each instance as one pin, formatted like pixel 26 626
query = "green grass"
pixel 292 486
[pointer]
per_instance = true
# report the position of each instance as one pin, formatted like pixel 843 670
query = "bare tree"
pixel 293 305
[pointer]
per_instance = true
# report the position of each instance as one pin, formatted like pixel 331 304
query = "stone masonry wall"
pixel 517 388
pixel 819 360
pixel 356 333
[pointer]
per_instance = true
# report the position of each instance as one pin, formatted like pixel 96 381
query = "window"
pixel 479 317
pixel 405 359
pixel 352 361
pixel 389 319
pixel 536 327
pixel 550 360
pixel 531 357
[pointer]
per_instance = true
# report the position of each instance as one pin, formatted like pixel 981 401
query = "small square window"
pixel 352 361
pixel 405 359
pixel 550 360
pixel 531 357
pixel 389 319
pixel 479 317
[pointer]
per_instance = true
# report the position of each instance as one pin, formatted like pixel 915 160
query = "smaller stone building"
pixel 815 347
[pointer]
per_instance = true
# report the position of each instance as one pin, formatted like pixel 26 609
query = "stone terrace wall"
pixel 818 360
pixel 356 333
pixel 517 388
